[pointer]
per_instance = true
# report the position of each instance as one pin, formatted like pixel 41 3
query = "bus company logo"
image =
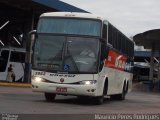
pixel 62 80
pixel 122 64
pixel 62 75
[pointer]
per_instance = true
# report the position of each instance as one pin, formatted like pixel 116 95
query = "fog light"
pixel 93 90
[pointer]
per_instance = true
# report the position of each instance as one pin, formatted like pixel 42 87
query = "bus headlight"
pixel 88 82
pixel 37 79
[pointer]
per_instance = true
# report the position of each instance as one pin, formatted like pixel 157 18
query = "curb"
pixel 15 84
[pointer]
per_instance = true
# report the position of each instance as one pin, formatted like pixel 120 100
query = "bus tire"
pixel 120 96
pixel 50 97
pixel 127 88
pixel 105 89
pixel 99 100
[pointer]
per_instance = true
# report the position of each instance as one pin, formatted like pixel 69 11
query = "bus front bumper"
pixel 65 89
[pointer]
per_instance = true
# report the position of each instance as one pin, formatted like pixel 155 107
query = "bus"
pixel 16 57
pixel 80 54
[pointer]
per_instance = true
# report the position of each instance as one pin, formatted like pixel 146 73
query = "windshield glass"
pixel 71 26
pixel 66 54
pixel 48 52
pixel 81 54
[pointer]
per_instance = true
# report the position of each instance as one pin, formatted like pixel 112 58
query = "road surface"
pixel 21 100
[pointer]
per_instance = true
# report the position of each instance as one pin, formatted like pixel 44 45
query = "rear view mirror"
pixel 104 52
pixel 33 32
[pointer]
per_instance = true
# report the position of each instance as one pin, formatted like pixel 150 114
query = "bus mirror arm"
pixel 33 34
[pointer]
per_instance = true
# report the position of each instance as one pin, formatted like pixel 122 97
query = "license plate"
pixel 61 89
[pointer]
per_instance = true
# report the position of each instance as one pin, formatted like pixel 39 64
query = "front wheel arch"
pixel 105 87
pixel 122 95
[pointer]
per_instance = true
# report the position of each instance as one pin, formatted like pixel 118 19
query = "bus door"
pixel 3 64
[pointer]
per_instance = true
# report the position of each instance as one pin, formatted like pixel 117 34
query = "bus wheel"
pixel 126 88
pixel 50 97
pixel 99 100
pixel 123 95
pixel 120 96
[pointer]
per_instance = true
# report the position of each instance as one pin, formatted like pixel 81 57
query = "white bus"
pixel 16 57
pixel 80 54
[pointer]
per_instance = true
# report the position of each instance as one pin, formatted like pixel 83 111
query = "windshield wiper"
pixel 58 55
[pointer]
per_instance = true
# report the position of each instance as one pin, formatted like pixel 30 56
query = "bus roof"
pixel 77 15
pixel 71 14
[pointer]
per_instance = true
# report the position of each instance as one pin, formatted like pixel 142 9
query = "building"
pixel 18 17
pixel 150 40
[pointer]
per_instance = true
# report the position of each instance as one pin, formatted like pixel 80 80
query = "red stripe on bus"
pixel 115 60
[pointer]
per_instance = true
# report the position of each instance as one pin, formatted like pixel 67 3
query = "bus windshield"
pixel 66 54
pixel 70 26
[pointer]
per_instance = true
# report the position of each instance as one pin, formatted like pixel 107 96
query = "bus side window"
pixel 4 60
pixel 17 57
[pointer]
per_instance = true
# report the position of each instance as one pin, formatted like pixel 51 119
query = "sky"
pixel 129 16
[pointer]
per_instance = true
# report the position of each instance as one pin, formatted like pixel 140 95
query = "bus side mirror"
pixel 104 55
pixel 104 51
pixel 33 32
pixel 32 36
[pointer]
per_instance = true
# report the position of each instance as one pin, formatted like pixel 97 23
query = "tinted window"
pixel 17 57
pixel 119 41
pixel 3 60
pixel 110 34
pixel 71 54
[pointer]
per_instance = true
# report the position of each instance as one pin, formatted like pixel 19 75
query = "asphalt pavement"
pixel 22 101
